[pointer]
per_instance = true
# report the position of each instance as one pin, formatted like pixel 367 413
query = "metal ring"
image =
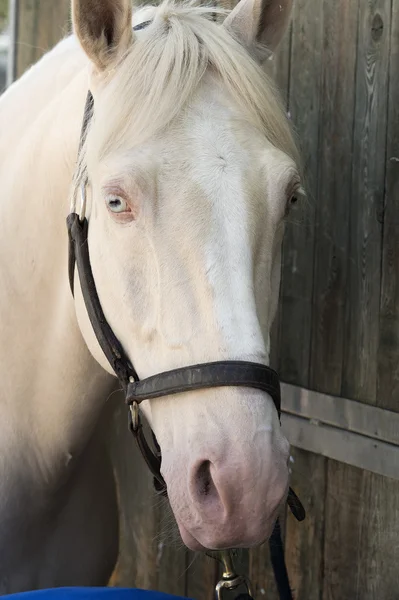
pixel 134 411
pixel 232 584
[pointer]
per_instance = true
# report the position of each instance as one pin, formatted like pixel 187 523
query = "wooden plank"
pixel 362 508
pixel 278 67
pixel 151 553
pixel 261 573
pixel 388 351
pixel 350 448
pixel 341 413
pixel 361 549
pixel 202 576
pixel 295 309
pixel 305 541
pixel 334 195
pixel 260 567
pixel 138 552
pixel 171 560
pixel 41 24
pixel 297 281
pixel 297 277
pixel 366 206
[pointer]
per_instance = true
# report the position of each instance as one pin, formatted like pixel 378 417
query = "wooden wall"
pixel 338 324
pixel 339 310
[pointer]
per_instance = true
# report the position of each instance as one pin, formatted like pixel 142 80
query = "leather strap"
pixel 295 505
pixel 278 563
pixel 110 345
pixel 207 375
pixel 152 459
pixel 87 116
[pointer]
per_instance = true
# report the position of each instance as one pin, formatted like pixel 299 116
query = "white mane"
pixel 162 69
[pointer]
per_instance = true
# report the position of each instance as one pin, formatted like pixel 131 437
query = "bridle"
pixel 185 379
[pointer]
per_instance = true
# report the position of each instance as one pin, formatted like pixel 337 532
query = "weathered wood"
pixel 137 524
pixel 334 195
pixel 361 540
pixel 278 67
pixel 304 541
pixel 260 567
pixel 366 206
pixel 171 562
pixel 202 576
pixel 297 273
pixel 41 24
pixel 151 553
pixel 388 351
pixel 362 508
pixel 297 276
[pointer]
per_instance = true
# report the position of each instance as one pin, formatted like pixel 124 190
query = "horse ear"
pixel 104 29
pixel 259 22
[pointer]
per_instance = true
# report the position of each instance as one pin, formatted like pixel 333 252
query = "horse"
pixel 191 169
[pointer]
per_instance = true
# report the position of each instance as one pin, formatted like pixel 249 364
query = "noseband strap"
pixel 238 373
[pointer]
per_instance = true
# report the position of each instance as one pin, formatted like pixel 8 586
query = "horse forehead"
pixel 207 150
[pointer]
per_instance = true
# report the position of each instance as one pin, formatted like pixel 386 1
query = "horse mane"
pixel 161 71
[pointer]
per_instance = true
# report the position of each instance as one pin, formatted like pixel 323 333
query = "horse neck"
pixel 52 389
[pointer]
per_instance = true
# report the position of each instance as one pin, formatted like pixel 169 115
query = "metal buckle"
pixel 135 414
pixel 230 580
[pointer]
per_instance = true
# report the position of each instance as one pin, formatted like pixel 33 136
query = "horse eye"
pixel 117 205
pixel 293 200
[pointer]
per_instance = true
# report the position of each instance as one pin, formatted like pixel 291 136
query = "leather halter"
pixel 185 379
pixel 206 375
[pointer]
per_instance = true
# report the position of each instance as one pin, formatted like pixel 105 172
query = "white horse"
pixel 191 168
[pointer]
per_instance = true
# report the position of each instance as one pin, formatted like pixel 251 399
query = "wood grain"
pixel 388 351
pixel 304 541
pixel 331 238
pixel 297 279
pixel 202 576
pixel 137 555
pixel 361 541
pixel 367 198
pixel 334 195
pixel 361 508
pixel 297 272
pixel 260 568
pixel 278 67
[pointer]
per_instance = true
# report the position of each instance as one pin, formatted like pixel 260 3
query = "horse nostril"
pixel 204 484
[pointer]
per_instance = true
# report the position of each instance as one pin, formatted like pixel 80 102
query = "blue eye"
pixel 117 205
